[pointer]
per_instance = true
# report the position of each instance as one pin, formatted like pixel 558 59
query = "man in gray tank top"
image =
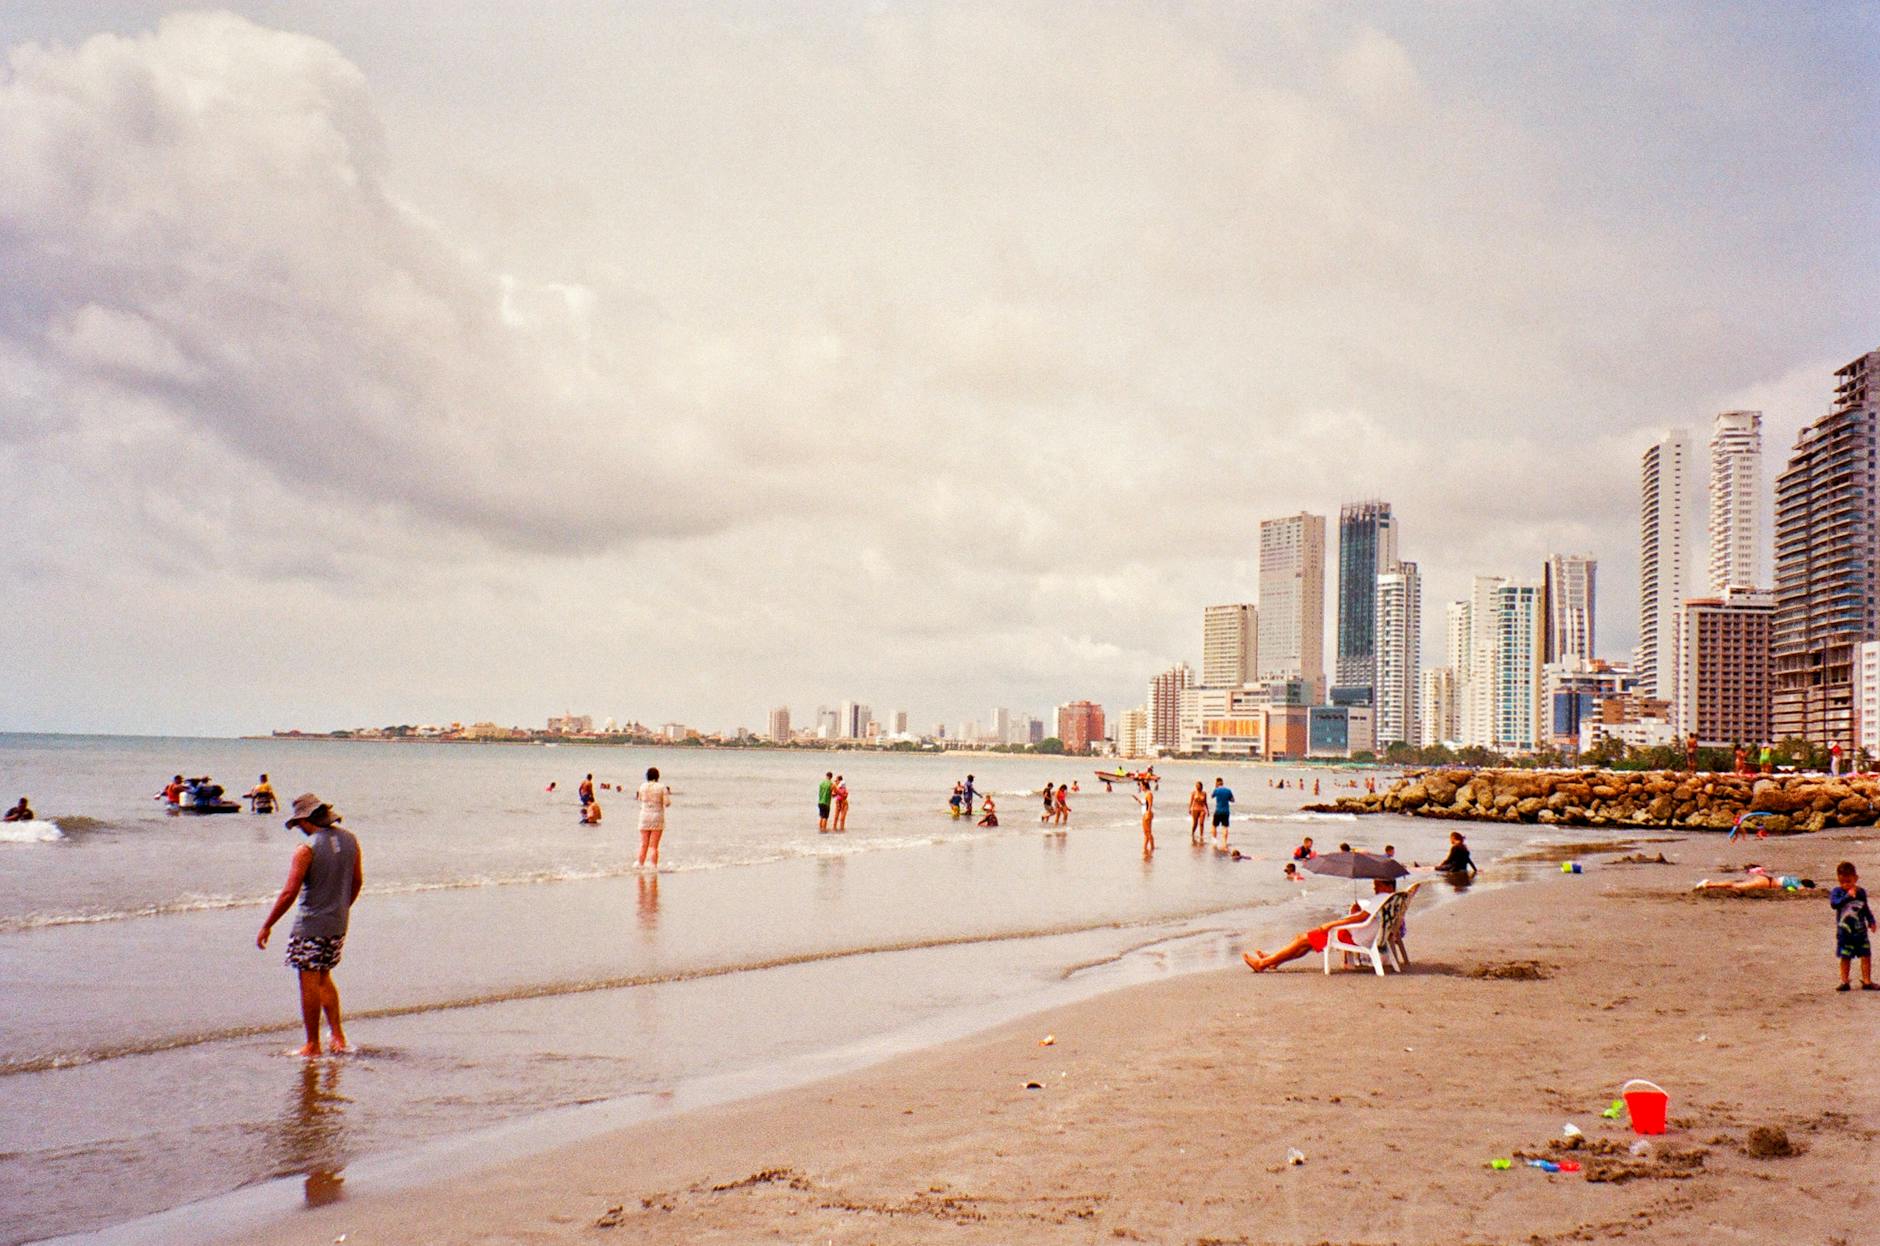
pixel 326 874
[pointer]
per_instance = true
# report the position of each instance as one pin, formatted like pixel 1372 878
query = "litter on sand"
pixel 1501 1165
pixel 1034 1085
pixel 1047 1040
pixel 1295 1157
pixel 1614 1112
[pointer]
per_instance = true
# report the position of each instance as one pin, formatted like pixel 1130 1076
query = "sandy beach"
pixel 1166 1111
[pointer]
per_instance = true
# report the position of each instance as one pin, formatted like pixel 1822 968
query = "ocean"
pixel 510 979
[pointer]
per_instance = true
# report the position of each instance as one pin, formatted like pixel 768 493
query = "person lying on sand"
pixel 1758 879
pixel 1305 941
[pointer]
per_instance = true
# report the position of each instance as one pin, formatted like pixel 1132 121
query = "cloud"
pixel 939 355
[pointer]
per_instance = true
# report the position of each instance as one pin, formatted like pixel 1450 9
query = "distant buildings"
pixel 1825 556
pixel 1132 733
pixel 1736 505
pixel 1164 705
pixel 1080 725
pixel 780 725
pixel 1723 668
pixel 1398 660
pixel 1437 697
pixel 999 725
pixel 1367 547
pixel 571 724
pixel 1230 645
pixel 853 720
pixel 1664 558
pixel 1292 598
pixel 1569 583
pixel 1867 697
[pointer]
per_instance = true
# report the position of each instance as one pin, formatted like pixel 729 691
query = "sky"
pixel 372 364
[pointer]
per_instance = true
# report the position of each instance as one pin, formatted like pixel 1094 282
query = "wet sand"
pixel 1166 1111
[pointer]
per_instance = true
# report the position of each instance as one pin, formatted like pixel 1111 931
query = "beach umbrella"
pixel 1357 865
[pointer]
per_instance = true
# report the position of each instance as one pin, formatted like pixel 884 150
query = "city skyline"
pixel 943 358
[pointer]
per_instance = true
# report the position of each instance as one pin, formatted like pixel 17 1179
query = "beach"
pixel 1166 1110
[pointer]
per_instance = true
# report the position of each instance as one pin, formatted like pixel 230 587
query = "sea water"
pixel 506 962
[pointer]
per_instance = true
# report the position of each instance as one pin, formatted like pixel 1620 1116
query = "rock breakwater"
pixel 1676 800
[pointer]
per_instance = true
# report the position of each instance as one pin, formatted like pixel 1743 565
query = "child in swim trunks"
pixel 1853 925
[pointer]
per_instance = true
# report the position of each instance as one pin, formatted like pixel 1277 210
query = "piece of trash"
pixel 1295 1157
pixel 1703 1038
pixel 1571 867
pixel 1048 1040
pixel 1641 1149
pixel 1569 1165
pixel 1571 1130
pixel 1034 1085
pixel 1501 1165
pixel 1545 1165
pixel 1614 1112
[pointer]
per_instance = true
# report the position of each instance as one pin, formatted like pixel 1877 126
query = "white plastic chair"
pixel 1368 939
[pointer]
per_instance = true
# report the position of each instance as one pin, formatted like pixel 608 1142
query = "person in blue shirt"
pixel 1223 797
pixel 1853 925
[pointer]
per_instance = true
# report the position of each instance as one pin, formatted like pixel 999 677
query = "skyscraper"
pixel 1568 580
pixel 1367 547
pixel 1292 599
pixel 1398 628
pixel 854 718
pixel 1437 705
pixel 1230 646
pixel 1475 691
pixel 1516 664
pixel 1736 509
pixel 1165 705
pixel 780 724
pixel 1664 573
pixel 1825 562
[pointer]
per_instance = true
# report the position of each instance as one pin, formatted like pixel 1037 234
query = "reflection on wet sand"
pixel 648 902
pixel 310 1136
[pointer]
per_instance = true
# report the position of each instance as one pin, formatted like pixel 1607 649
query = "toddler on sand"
pixel 1853 923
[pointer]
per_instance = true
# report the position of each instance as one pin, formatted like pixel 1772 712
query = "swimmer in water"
pixel 21 812
pixel 991 817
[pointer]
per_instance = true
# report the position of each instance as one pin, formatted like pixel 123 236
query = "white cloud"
pixel 939 355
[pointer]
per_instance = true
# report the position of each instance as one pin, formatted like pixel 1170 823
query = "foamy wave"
pixel 1301 816
pixel 35 832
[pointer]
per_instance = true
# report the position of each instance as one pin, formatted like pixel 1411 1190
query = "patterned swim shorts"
pixel 1851 941
pixel 314 954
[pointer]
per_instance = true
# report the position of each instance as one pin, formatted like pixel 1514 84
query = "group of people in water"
pixel 653 798
pixel 204 793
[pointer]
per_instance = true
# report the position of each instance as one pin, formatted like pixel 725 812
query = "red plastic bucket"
pixel 1646 1104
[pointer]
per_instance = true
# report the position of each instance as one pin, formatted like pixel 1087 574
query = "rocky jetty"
pixel 1672 799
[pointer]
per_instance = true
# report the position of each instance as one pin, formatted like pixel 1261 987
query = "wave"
pixel 79 824
pixel 34 832
pixel 1300 816
pixel 822 847
pixel 552 990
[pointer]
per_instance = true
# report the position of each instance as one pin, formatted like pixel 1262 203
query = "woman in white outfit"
pixel 653 796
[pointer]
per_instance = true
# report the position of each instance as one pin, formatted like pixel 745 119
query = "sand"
pixel 1166 1111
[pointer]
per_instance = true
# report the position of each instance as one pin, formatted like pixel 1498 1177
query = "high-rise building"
pixel 1825 563
pixel 897 722
pixel 1398 628
pixel 1230 646
pixel 780 724
pixel 1367 547
pixel 1437 697
pixel 1079 725
pixel 1736 506
pixel 852 721
pixel 1165 705
pixel 999 724
pixel 828 723
pixel 1664 573
pixel 1132 732
pixel 1292 598
pixel 1867 697
pixel 1516 666
pixel 1723 668
pixel 1475 678
pixel 1569 581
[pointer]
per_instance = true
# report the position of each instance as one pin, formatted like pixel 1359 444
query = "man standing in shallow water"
pixel 326 873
